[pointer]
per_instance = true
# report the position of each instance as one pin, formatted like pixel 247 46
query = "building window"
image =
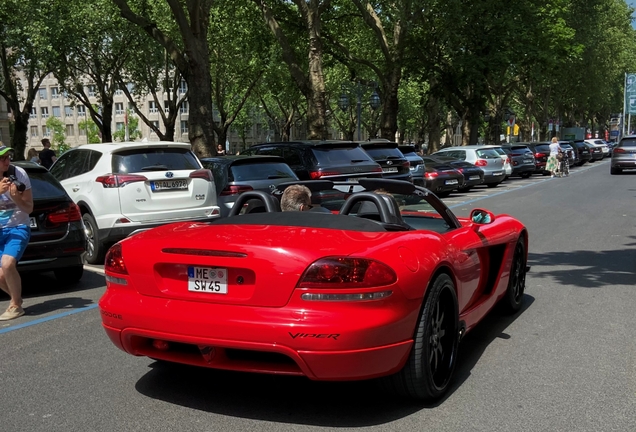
pixel 34 113
pixel 44 112
pixel 68 111
pixel 81 110
pixel 70 130
pixel 119 108
pixel 183 87
pixel 155 123
pixel 152 107
pixel 82 131
pixel 91 90
pixel 56 112
pixel 119 126
pixel 184 107
pixel 45 131
pixel 184 127
pixel 42 93
pixel 119 91
pixel 166 106
pixel 55 93
pixel 34 131
pixel 130 87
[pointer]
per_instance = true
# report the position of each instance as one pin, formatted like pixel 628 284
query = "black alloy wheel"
pixel 429 369
pixel 511 302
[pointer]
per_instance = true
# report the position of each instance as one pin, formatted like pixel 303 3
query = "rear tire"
pixel 511 302
pixel 69 275
pixel 525 175
pixel 464 189
pixel 492 185
pixel 429 369
pixel 94 248
pixel 614 170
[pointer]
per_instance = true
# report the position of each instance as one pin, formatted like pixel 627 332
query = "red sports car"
pixel 384 287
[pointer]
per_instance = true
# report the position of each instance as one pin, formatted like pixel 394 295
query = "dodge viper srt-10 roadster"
pixel 378 280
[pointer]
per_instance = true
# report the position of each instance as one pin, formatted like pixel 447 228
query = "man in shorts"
pixel 15 206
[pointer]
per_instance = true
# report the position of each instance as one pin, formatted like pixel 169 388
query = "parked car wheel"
pixel 95 250
pixel 492 185
pixel 525 175
pixel 428 371
pixel 465 189
pixel 614 170
pixel 69 275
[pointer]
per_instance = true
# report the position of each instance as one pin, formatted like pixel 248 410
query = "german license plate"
pixel 497 173
pixel 473 178
pixel 390 170
pixel 450 182
pixel 207 280
pixel 32 223
pixel 162 185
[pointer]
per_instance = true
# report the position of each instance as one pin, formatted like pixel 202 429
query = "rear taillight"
pixel 431 175
pixel 345 272
pixel 619 150
pixel 235 190
pixel 119 180
pixel 114 262
pixel 315 175
pixel 508 160
pixel 70 213
pixel 406 164
pixel 459 170
pixel 481 162
pixel 204 174
pixel 539 155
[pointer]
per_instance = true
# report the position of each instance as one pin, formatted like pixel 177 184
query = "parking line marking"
pixel 48 318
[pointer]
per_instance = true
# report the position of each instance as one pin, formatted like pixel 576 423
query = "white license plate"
pixel 449 182
pixel 412 168
pixel 207 280
pixel 161 185
pixel 497 173
pixel 388 170
pixel 33 223
pixel 473 178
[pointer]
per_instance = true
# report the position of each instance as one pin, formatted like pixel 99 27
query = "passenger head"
pixel 296 198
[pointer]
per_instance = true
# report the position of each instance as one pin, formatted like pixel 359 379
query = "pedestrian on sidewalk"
pixel 16 202
pixel 552 164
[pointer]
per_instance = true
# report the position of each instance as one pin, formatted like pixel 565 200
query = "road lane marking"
pixel 48 318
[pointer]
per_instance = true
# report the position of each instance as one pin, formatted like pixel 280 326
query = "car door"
pixel 70 171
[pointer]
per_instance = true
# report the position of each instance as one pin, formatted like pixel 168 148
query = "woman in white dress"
pixel 553 163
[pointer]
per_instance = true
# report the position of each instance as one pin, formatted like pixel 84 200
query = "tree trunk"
pixel 433 125
pixel 390 105
pixel 20 133
pixel 316 99
pixel 200 119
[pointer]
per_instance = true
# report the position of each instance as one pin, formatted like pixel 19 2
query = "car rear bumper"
pixel 351 344
pixel 520 169
pixel 491 179
pixel 623 163
pixel 114 234
pixel 44 255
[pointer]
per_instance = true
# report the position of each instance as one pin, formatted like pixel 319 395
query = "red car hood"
pixel 263 263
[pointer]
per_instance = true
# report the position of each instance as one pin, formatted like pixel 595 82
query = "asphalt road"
pixel 566 362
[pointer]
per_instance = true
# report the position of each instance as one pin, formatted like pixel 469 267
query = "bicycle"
pixel 563 164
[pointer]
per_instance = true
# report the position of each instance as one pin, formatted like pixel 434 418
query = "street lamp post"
pixel 374 101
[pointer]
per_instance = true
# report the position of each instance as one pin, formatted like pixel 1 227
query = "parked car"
pixel 386 153
pixel 124 187
pixel 58 240
pixel 504 157
pixel 415 160
pixel 541 152
pixel 582 152
pixel 596 151
pixel 624 155
pixel 483 157
pixel 521 158
pixel 599 143
pixel 328 160
pixel 440 177
pixel 234 175
pixel 473 175
pixel 371 292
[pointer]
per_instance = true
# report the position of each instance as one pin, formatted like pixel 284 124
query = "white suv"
pixel 123 187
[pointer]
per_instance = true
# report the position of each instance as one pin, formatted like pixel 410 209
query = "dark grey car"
pixel 234 175
pixel 624 155
pixel 521 159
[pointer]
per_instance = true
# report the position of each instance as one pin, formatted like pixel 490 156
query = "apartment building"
pixel 51 102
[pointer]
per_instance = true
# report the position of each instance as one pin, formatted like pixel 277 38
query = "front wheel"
pixel 511 302
pixel 69 275
pixel 428 371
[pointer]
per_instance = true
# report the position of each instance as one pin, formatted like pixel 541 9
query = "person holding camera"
pixel 16 202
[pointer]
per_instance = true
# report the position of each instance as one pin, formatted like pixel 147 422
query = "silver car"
pixel 483 157
pixel 624 155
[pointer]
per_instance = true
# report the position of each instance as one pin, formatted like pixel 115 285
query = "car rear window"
pixel 45 186
pixel 542 148
pixel 499 151
pixel 522 148
pixel 153 159
pixel 487 153
pixel 260 171
pixel 340 155
pixel 627 143
pixel 381 153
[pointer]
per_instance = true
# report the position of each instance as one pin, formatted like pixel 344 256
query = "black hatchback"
pixel 58 239
pixel 473 175
pixel 582 151
pixel 440 177
pixel 394 164
pixel 325 160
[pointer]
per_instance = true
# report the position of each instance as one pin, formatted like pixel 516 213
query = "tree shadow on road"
pixel 587 269
pixel 298 400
